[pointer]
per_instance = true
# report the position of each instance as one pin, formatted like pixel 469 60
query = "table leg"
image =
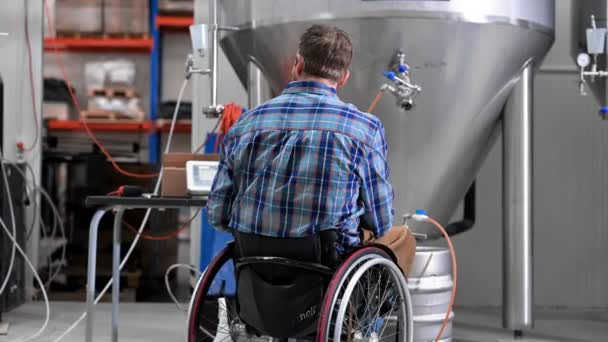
pixel 91 272
pixel 116 272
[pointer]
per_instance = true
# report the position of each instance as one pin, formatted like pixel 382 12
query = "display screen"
pixel 203 175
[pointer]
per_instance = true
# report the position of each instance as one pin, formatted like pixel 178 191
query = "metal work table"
pixel 120 204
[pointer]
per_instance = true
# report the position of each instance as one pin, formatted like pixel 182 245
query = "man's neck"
pixel 325 81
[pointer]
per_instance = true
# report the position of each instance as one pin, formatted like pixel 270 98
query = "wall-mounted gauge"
pixel 583 60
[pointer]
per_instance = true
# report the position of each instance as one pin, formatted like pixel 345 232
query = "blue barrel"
pixel 212 242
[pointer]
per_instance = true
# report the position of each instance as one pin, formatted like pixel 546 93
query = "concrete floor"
pixel 564 325
pixel 163 322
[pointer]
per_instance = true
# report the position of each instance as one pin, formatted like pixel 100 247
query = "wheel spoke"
pixel 371 295
pixel 204 331
pixel 373 320
pixel 381 303
pixel 386 321
pixel 373 303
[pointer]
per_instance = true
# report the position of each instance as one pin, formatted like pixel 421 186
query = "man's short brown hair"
pixel 327 52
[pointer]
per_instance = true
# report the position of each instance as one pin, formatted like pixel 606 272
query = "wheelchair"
pixel 300 289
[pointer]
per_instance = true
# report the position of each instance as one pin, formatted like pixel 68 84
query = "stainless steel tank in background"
pixel 469 57
pixel 465 54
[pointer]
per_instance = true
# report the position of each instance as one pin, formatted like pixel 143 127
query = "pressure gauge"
pixel 583 60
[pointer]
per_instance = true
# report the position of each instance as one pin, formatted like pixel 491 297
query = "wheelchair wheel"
pixel 367 300
pixel 210 315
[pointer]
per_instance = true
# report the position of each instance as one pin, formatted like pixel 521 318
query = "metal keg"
pixel 430 284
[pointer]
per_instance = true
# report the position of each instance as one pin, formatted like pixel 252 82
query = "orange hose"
pixel 376 100
pixel 454 275
pixel 79 109
pixel 232 112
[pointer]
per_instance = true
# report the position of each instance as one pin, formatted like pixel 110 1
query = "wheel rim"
pixel 211 316
pixel 372 304
pixel 343 282
pixel 343 274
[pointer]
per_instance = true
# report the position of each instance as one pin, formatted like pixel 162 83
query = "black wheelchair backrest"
pixel 281 282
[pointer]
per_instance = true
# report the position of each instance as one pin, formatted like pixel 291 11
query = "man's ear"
pixel 298 68
pixel 344 79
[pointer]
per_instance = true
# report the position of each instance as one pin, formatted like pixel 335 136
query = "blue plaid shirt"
pixel 301 163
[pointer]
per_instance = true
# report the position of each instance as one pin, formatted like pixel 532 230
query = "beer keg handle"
pixel 420 237
pixel 417 236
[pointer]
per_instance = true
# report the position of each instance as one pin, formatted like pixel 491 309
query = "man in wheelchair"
pixel 303 185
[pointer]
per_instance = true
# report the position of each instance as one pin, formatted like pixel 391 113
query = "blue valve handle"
pixel 603 112
pixel 390 75
pixel 402 68
pixel 420 212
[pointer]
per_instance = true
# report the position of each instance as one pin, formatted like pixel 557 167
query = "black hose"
pixel 468 217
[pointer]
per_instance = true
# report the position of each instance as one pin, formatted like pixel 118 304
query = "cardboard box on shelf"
pixel 176 7
pixel 78 17
pixel 126 18
pixel 55 110
pixel 174 172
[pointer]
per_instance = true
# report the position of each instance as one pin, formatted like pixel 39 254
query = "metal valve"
pixel 587 61
pixel 191 69
pixel 401 85
pixel 212 112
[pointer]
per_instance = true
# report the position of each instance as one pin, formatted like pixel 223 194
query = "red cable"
pixel 118 192
pixel 79 109
pixel 167 236
pixel 32 88
pixel 170 235
pixel 232 112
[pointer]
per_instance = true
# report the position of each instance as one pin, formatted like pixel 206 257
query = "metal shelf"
pixel 78 126
pixel 173 23
pixel 182 126
pixel 151 45
pixel 135 45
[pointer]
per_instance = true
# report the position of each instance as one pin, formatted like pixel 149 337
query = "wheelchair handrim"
pixel 395 272
pixel 202 287
pixel 336 283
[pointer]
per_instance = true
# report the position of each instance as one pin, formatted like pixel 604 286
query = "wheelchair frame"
pixel 352 269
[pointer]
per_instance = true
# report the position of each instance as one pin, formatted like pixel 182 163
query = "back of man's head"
pixel 327 52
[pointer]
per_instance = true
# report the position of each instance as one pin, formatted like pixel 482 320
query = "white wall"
pixel 18 119
pixel 570 204
pixel 18 108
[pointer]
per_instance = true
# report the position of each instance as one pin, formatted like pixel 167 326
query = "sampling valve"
pixel 401 85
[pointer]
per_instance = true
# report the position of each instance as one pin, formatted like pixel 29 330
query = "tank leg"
pixel 517 206
pixel 518 334
pixel 257 86
pixel 3 327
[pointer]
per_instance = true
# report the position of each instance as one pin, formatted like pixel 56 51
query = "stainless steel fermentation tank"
pixel 475 63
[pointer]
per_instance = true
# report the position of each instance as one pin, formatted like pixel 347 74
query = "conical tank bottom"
pixel 466 71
